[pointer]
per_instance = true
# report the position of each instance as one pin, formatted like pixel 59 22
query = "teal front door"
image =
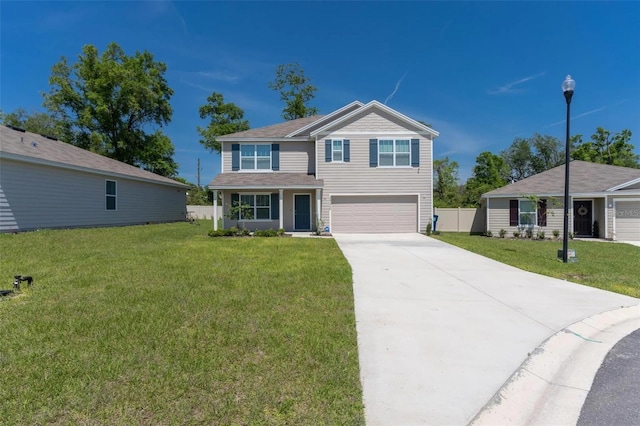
pixel 302 212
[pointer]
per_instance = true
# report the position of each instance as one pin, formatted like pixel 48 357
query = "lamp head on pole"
pixel 567 87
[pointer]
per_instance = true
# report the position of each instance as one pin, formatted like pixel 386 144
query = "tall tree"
pixel 295 90
pixel 490 172
pixel 36 122
pixel 606 148
pixel 446 192
pixel 529 156
pixel 115 105
pixel 224 118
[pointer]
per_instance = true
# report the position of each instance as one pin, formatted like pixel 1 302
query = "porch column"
pixel 281 207
pixel 215 210
pixel 318 207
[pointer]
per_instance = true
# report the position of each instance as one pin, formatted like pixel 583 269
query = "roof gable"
pixel 585 177
pixel 32 147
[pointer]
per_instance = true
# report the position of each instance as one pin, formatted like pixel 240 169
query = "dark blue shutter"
pixel 513 212
pixel 373 152
pixel 346 152
pixel 235 200
pixel 275 206
pixel 235 157
pixel 275 156
pixel 327 150
pixel 415 152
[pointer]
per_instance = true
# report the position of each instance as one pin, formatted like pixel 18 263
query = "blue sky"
pixel 482 73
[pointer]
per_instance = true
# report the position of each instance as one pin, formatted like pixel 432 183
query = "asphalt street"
pixel 614 398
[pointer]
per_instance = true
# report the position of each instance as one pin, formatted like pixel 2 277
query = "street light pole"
pixel 567 87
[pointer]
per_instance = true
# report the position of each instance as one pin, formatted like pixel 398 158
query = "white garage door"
pixel 374 213
pixel 628 220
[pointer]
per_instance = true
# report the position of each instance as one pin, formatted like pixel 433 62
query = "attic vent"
pixel 34 144
pixel 19 129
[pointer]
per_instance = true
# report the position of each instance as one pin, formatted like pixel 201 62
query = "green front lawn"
pixel 609 266
pixel 161 324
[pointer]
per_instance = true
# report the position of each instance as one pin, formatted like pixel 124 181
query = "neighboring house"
pixel 45 183
pixel 607 194
pixel 362 168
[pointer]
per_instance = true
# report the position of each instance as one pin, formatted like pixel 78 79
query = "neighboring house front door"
pixel 302 212
pixel 583 218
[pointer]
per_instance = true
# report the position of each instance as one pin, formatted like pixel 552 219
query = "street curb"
pixel 551 385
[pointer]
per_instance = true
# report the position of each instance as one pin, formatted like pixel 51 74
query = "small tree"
pixel 239 211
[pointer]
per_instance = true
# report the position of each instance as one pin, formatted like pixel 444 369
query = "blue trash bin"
pixel 435 222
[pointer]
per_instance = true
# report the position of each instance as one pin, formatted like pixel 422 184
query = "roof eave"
pixel 264 139
pixel 327 117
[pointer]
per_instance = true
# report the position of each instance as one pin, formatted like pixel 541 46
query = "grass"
pixel 161 324
pixel 605 265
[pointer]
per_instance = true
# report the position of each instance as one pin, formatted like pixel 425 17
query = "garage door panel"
pixel 628 220
pixel 366 214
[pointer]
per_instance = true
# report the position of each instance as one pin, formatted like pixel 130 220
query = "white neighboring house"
pixel 46 183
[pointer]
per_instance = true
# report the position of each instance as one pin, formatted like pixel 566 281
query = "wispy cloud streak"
pixel 398 83
pixel 510 87
pixel 593 111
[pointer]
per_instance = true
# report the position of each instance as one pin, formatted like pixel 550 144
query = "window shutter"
pixel 346 151
pixel 542 213
pixel 513 212
pixel 327 150
pixel 235 157
pixel 275 156
pixel 415 152
pixel 275 206
pixel 373 152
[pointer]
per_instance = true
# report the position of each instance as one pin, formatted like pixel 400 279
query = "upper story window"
pixel 255 157
pixel 111 195
pixel 336 150
pixel 394 152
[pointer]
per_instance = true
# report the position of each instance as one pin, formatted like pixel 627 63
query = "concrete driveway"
pixel 441 329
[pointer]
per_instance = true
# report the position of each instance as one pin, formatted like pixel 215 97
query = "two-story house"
pixel 361 168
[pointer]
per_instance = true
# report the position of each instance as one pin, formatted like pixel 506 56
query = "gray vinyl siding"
pixel 295 156
pixel 38 196
pixel 357 177
pixel 498 217
pixel 268 224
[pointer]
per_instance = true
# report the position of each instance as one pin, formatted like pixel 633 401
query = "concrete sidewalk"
pixel 440 329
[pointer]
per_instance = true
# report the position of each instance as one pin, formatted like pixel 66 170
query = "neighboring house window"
pixel 394 152
pixel 259 206
pixel 527 213
pixel 255 157
pixel 336 151
pixel 111 194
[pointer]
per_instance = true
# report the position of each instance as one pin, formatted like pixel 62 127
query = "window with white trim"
pixel 394 152
pixel 255 157
pixel 527 212
pixel 111 195
pixel 259 206
pixel 337 150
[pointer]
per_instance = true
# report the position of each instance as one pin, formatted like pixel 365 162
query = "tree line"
pixel 526 157
pixel 117 105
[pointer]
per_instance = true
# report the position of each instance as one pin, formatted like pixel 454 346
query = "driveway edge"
pixel 552 384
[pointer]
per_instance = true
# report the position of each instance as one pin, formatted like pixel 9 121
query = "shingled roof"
pixel 264 181
pixel 27 146
pixel 584 178
pixel 280 130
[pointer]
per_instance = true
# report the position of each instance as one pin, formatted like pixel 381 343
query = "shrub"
pixel 221 233
pixel 502 233
pixel 429 227
pixel 596 229
pixel 489 233
pixel 280 232
pixel 556 233
pixel 265 233
pixel 516 234
pixel 540 234
pixel 529 233
pixel 571 235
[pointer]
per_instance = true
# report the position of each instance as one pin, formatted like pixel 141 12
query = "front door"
pixel 302 212
pixel 583 218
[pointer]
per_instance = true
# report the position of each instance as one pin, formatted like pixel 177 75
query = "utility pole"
pixel 198 173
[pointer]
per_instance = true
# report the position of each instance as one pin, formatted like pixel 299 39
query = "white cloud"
pixel 593 111
pixel 510 87
pixel 396 88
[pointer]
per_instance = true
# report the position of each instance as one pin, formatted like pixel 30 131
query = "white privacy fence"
pixel 204 212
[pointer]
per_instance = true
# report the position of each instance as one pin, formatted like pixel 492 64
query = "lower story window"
pixel 527 212
pixel 259 206
pixel 111 194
